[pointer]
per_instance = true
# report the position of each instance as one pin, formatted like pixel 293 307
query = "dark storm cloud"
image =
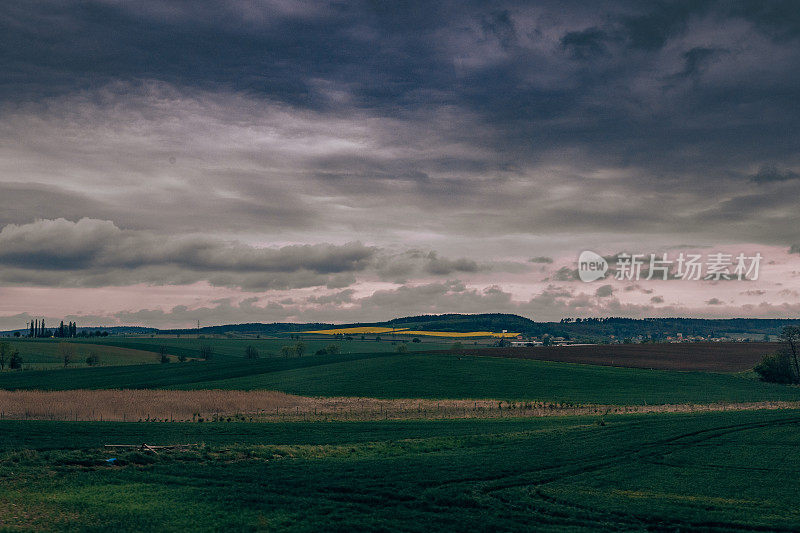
pixel 93 252
pixel 769 173
pixel 417 122
pixel 96 252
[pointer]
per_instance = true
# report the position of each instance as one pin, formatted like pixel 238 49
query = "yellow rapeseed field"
pixel 405 331
pixel 458 334
pixel 364 329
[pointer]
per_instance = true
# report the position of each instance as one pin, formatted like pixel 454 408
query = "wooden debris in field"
pixel 153 449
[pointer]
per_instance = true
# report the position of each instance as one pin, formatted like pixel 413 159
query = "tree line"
pixel 38 329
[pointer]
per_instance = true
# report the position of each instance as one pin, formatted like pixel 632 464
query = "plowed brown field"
pixel 705 356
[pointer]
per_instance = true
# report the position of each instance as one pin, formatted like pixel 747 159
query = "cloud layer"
pixel 271 146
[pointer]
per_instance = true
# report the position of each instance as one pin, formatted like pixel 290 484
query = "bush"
pixel 206 352
pixel 401 348
pixel 331 349
pixel 15 362
pixel 251 352
pixel 93 359
pixel 775 368
pixel 163 357
pixel 67 352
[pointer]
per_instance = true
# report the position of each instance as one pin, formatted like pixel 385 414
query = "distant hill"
pixel 587 329
pixel 579 329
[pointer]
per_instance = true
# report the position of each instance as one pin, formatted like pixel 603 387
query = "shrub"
pixel 93 359
pixel 206 352
pixel 163 357
pixel 15 362
pixel 401 348
pixel 775 368
pixel 331 349
pixel 251 352
pixel 67 352
pixel 5 349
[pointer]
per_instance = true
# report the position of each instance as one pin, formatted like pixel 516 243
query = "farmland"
pixel 706 356
pixel 633 472
pixel 426 440
pixel 41 353
pixel 431 376
pixel 409 332
pixel 44 353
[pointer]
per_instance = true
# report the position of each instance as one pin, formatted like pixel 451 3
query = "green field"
pixel 44 353
pixel 727 471
pixel 713 471
pixel 235 348
pixel 419 376
pixel 448 376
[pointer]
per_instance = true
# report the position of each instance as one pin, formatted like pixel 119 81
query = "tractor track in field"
pixel 624 521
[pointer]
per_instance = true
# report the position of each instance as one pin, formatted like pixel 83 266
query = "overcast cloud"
pixel 380 159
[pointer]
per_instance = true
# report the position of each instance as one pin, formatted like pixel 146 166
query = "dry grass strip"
pixel 205 405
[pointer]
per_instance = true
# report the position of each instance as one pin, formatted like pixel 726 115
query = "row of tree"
pixel 38 329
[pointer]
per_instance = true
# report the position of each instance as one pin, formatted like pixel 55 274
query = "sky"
pixel 163 163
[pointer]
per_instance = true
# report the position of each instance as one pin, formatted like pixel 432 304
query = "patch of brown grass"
pixel 133 405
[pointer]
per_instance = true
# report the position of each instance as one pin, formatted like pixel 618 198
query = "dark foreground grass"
pixel 723 471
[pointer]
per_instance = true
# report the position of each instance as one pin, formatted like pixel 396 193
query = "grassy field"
pixel 509 464
pixel 235 348
pixel 162 375
pixel 448 376
pixel 44 353
pixel 419 376
pixel 714 471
